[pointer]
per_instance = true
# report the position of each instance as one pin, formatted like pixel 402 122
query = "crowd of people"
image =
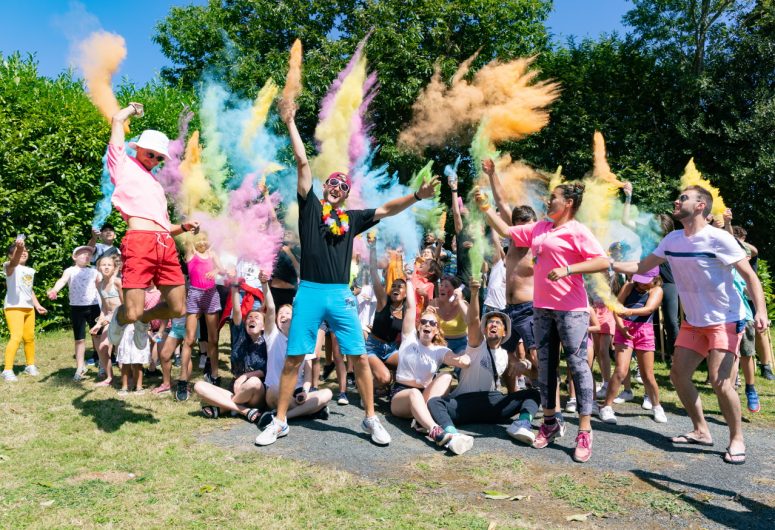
pixel 442 346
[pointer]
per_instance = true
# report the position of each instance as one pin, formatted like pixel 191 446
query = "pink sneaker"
pixel 546 435
pixel 583 450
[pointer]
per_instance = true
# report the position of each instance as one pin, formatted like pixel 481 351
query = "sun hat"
pixel 80 249
pixel 647 276
pixel 503 316
pixel 153 141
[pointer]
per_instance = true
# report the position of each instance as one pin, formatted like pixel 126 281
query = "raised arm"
pixel 495 222
pixel 427 190
pixel 497 253
pixel 475 337
pixel 626 221
pixel 269 316
pixel 410 310
pixel 236 302
pixel 118 123
pixel 16 256
pixel 304 184
pixel 504 208
pixel 376 281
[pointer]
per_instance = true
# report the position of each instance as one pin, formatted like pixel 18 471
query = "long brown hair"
pixel 438 338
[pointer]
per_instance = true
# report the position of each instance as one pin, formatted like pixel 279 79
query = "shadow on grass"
pixel 110 414
pixel 758 515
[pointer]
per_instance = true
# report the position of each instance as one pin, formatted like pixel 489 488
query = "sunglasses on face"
pixel 427 322
pixel 683 198
pixel 334 182
pixel 152 156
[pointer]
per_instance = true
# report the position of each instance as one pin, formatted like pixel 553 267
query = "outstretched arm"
pixel 504 208
pixel 61 282
pixel 634 267
pixel 288 112
pixel 400 204
pixel 475 337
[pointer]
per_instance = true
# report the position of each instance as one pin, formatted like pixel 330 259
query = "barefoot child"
pixel 109 289
pixel 20 307
pixel 81 280
pixel 129 356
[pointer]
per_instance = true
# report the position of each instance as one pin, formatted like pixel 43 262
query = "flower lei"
pixel 338 225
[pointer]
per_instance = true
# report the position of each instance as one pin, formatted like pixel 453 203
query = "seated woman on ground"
pixel 248 363
pixel 306 402
pixel 422 353
pixel 383 339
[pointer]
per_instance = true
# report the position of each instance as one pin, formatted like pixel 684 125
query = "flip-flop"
pixel 688 439
pixel 211 412
pixel 253 415
pixel 728 458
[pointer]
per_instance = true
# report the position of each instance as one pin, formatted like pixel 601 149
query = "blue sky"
pixel 47 27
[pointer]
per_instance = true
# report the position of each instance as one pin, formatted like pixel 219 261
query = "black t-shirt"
pixel 283 269
pixel 246 355
pixel 325 258
pixel 463 256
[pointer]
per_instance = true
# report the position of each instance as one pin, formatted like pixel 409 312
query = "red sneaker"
pixel 583 450
pixel 547 434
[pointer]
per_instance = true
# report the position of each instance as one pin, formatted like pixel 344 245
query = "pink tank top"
pixel 197 268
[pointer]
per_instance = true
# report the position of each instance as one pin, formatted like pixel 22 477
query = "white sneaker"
pixel 378 433
pixel 272 432
pixel 607 415
pixel 600 394
pixel 659 414
pixel 140 336
pixel 80 374
pixel 9 376
pixel 32 370
pixel 115 330
pixel 571 405
pixel 646 403
pixel 638 377
pixel 418 428
pixel 624 396
pixel 460 443
pixel 522 430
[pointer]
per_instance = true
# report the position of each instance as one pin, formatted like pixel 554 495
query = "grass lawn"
pixel 72 455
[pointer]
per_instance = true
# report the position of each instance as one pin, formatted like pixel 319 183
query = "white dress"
pixel 128 353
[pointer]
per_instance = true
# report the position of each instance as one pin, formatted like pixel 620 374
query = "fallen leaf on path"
pixel 44 484
pixel 579 517
pixel 496 495
pixel 207 488
pixel 492 525
pixel 46 504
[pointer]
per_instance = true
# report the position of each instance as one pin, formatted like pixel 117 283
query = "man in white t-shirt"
pixel 477 398
pixel 702 258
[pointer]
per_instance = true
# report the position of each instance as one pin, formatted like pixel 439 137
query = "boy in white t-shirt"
pixel 702 258
pixel 20 306
pixel 81 280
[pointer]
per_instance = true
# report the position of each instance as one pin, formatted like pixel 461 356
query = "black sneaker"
pixel 181 394
pixel 212 380
pixel 322 414
pixel 265 419
pixel 767 372
pixel 351 381
pixel 175 361
pixel 327 369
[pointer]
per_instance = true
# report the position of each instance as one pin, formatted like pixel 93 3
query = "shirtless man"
pixel 519 286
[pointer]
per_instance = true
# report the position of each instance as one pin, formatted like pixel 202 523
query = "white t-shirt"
pixel 496 286
pixel 276 349
pixel 418 363
pixel 478 376
pixel 702 268
pixel 367 305
pixel 19 292
pixel 250 271
pixel 82 285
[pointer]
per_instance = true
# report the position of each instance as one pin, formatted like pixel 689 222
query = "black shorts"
pixel 521 316
pixel 82 315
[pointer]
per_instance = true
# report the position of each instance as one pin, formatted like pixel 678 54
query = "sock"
pixel 525 415
pixel 749 388
pixel 450 429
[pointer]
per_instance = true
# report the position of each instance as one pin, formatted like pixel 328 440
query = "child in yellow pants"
pixel 20 307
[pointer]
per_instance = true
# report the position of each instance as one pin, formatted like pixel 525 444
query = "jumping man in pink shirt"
pixel 147 249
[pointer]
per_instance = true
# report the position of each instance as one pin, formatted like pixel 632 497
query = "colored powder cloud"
pixel 692 177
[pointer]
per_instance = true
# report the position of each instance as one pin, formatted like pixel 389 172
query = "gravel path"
pixel 729 496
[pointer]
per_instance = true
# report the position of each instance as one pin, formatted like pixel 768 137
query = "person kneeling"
pixel 477 398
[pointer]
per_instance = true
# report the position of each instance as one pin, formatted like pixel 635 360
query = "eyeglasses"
pixel 334 182
pixel 683 198
pixel 151 156
pixel 426 322
pixel 495 321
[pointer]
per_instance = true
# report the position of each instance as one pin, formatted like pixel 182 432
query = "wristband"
pixel 416 197
pixel 567 269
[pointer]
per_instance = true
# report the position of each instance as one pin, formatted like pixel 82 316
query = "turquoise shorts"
pixel 334 303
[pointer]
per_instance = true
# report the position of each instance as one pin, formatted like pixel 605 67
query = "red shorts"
pixel 606 319
pixel 642 336
pixel 149 257
pixel 717 337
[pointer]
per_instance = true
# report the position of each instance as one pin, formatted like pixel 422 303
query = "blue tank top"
pixel 637 300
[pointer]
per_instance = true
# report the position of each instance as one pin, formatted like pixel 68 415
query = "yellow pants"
pixel 21 325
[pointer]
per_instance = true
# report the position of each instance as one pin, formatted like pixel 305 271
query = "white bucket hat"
pixel 504 318
pixel 82 248
pixel 153 141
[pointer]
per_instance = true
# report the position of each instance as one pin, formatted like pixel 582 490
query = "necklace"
pixel 338 225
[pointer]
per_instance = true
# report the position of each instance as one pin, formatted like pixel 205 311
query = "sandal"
pixel 688 439
pixel 211 412
pixel 729 458
pixel 252 415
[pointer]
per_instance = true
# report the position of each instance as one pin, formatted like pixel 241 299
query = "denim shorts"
pixel 458 345
pixel 521 316
pixel 382 350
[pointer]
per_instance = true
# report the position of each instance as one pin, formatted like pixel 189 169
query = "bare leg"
pixel 410 403
pixel 172 304
pixel 125 369
pixel 623 356
pixel 287 384
pixel 104 353
pixel 602 345
pixel 80 352
pixel 685 362
pixel 137 375
pixel 722 369
pixel 315 401
pixel 188 343
pixel 748 364
pixel 363 379
pixel 646 365
pixel 167 350
pixel 250 394
pixel 381 373
pixel 212 342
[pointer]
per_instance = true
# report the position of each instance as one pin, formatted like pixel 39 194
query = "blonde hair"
pixel 438 338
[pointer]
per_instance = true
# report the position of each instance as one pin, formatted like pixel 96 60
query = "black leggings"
pixel 670 315
pixel 483 407
pixel 81 316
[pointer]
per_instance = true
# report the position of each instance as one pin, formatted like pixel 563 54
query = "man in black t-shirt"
pixel 326 234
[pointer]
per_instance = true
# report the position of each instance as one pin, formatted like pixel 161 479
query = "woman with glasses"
pixel 563 249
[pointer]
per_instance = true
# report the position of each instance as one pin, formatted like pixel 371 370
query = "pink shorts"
pixel 642 336
pixel 716 337
pixel 606 319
